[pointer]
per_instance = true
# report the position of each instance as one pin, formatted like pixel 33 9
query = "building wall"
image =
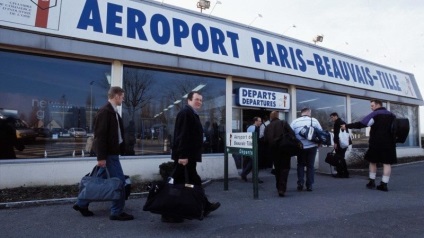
pixel 108 50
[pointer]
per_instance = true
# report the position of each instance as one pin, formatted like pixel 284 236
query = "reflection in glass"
pixel 152 100
pixel 51 95
pixel 322 106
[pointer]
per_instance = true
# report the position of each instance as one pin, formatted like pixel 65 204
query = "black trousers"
pixel 342 168
pixel 282 169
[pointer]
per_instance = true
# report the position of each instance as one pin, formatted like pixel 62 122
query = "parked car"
pixel 60 132
pixel 23 132
pixel 77 132
pixel 42 132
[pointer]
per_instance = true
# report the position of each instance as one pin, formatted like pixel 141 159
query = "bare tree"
pixel 137 84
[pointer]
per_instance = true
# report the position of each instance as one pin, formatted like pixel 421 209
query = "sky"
pixel 387 32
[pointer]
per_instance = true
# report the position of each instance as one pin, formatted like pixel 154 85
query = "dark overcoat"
pixel 272 132
pixel 382 146
pixel 188 136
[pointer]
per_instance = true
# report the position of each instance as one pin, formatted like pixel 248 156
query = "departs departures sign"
pixel 244 144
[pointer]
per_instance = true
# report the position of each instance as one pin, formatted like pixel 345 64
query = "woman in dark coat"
pixel 281 160
pixel 382 145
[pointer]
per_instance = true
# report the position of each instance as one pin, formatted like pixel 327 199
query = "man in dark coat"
pixel 108 145
pixel 342 171
pixel 382 146
pixel 187 149
pixel 281 160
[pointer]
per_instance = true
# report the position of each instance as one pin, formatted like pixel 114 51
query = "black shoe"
pixel 244 178
pixel 281 193
pixel 371 184
pixel 212 207
pixel 168 219
pixel 84 211
pixel 121 217
pixel 260 181
pixel 273 171
pixel 383 187
pixel 299 188
pixel 309 189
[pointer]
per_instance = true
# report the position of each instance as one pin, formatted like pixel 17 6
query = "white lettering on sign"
pixel 263 99
pixel 155 27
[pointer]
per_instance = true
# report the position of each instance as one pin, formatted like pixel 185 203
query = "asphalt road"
pixel 336 208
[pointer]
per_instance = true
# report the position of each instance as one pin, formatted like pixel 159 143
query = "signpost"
pixel 244 144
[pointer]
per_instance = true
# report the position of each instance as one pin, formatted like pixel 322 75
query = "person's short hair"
pixel 255 119
pixel 305 109
pixel 334 114
pixel 378 102
pixel 190 95
pixel 114 91
pixel 273 115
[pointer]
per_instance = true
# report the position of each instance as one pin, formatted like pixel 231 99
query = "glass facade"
pixel 322 106
pixel 54 100
pixel 50 98
pixel 152 100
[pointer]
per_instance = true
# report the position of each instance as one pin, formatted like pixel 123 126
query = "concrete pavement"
pixel 336 208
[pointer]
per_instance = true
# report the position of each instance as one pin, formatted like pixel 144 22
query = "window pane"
pixel 322 106
pixel 48 96
pixel 410 112
pixel 360 108
pixel 152 100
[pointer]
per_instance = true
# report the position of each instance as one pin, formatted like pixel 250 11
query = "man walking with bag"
pixel 280 158
pixel 309 152
pixel 108 145
pixel 187 149
pixel 342 171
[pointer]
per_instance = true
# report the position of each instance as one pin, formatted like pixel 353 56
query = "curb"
pixel 57 201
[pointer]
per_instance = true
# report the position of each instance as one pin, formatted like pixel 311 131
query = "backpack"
pixel 400 129
pixel 287 141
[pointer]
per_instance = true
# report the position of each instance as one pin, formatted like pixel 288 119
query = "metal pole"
pixel 255 166
pixel 226 168
pixel 91 105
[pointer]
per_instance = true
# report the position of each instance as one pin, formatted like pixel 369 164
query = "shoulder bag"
pixel 287 142
pixel 95 188
pixel 333 159
pixel 176 200
pixel 316 135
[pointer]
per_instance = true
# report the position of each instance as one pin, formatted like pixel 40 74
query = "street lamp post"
pixel 91 105
pixel 259 15
pixel 217 2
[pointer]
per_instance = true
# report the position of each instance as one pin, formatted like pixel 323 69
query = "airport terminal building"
pixel 58 58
